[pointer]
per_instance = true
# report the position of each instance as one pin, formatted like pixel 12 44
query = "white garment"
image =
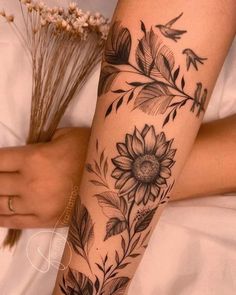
pixel 192 250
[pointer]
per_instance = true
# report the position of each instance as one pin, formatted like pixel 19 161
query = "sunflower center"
pixel 146 168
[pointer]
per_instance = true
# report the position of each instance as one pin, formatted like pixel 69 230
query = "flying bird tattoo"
pixel 192 58
pixel 170 33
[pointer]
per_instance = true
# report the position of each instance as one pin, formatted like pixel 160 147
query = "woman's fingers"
pixel 16 213
pixel 10 205
pixel 10 183
pixel 11 159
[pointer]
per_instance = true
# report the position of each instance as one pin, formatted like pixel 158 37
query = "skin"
pixel 214 147
pixel 214 142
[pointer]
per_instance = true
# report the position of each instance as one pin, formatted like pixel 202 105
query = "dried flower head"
pixel 71 19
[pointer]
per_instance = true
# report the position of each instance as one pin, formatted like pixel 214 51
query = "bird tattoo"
pixel 192 58
pixel 170 33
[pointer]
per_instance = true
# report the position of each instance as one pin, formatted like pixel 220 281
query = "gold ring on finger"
pixel 10 204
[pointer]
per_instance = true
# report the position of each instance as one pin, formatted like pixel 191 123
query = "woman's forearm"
pixel 152 97
pixel 210 167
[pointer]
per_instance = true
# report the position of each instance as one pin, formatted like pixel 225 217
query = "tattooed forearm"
pixel 141 173
pixel 151 76
pixel 159 87
pixel 142 168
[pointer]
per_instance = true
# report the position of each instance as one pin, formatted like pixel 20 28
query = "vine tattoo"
pixel 157 86
pixel 141 173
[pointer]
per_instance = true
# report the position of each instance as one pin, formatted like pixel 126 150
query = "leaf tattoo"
pixel 81 231
pixel 144 220
pixel 76 283
pixel 118 45
pixel 107 77
pixel 112 205
pixel 145 52
pixel 116 286
pixel 154 99
pixel 99 170
pixel 114 227
pixel 160 87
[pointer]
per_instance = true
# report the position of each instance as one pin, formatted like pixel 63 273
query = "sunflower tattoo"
pixel 142 183
pixel 143 165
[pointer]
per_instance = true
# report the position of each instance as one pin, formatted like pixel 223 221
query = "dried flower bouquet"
pixel 63 45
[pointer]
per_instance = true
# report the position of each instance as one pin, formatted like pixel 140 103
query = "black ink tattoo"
pixel 99 169
pixel 76 283
pixel 118 45
pixel 141 173
pixel 144 165
pixel 199 97
pixel 192 58
pixel 158 87
pixel 81 231
pixel 167 31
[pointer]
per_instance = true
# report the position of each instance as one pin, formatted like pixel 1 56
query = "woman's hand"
pixel 37 180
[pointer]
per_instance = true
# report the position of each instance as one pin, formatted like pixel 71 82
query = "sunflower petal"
pixel 162 150
pixel 155 190
pixel 160 181
pixel 165 172
pixel 122 180
pixel 170 154
pixel 130 184
pixel 138 143
pixel 147 195
pixel 145 130
pixel 131 194
pixel 161 139
pixel 150 140
pixel 122 162
pixel 167 162
pixel 129 141
pixel 140 193
pixel 122 149
pixel 116 173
